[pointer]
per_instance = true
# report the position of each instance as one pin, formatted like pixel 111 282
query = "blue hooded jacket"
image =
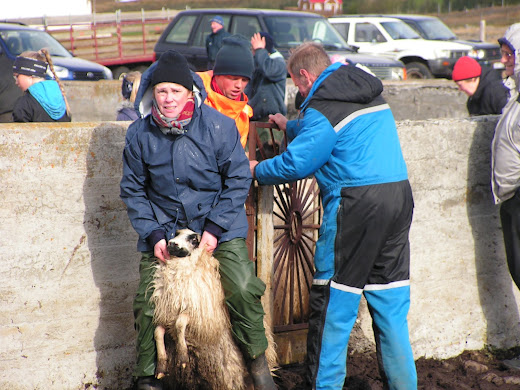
pixel 173 181
pixel 346 136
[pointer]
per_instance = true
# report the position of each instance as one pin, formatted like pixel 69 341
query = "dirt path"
pixel 471 370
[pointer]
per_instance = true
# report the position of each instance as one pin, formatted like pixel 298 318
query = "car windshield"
pixel 291 31
pixel 18 41
pixel 436 29
pixel 400 30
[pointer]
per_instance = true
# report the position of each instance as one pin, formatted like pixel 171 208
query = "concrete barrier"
pixel 415 100
pixel 70 266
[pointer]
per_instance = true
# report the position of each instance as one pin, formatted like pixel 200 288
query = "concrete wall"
pixel 419 99
pixel 70 266
pixel 415 100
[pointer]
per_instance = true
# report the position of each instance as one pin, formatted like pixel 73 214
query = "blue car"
pixel 17 38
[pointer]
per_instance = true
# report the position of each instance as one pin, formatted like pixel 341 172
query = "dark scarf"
pixel 175 126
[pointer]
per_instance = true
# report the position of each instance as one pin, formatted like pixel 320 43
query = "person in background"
pixel 129 87
pixel 9 92
pixel 505 162
pixel 183 166
pixel 266 91
pixel 487 94
pixel 43 100
pixel 347 138
pixel 225 84
pixel 214 39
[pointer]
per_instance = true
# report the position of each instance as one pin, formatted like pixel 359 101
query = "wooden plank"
pixel 291 347
pixel 264 242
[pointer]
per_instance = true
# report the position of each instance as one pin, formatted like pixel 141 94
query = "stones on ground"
pixel 511 380
pixel 472 367
pixel 493 378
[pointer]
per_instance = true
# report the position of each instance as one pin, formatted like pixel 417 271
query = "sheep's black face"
pixel 184 242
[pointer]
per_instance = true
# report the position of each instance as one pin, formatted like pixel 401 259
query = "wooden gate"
pixel 283 229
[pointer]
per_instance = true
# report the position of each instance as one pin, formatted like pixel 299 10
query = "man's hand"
pixel 208 242
pixel 257 42
pixel 160 250
pixel 280 120
pixel 252 166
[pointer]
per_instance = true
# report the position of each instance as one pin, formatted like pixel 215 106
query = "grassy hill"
pixel 466 24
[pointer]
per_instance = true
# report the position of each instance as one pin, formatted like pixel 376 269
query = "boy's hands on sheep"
pixel 208 242
pixel 160 250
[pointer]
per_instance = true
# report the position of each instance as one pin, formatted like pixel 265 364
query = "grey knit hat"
pixel 234 58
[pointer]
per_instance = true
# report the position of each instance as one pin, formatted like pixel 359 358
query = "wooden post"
pixel 250 201
pixel 265 234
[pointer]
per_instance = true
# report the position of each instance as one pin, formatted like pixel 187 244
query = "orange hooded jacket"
pixel 240 111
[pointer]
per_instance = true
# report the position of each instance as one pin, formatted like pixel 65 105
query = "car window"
pixel 204 29
pixel 245 25
pixel 180 33
pixel 399 30
pixel 367 32
pixel 342 29
pixel 291 31
pixel 436 29
pixel 18 41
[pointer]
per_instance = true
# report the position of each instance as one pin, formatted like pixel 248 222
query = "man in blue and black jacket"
pixel 347 138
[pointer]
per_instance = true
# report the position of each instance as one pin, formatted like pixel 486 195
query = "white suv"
pixel 395 39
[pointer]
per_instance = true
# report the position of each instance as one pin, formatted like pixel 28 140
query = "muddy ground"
pixel 471 370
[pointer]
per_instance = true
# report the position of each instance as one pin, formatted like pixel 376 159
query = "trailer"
pixel 121 41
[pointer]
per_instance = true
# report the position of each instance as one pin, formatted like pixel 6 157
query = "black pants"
pixel 510 218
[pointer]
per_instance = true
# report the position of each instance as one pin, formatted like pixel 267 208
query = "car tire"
pixel 140 68
pixel 417 70
pixel 119 71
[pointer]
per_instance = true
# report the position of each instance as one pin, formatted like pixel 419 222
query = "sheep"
pixel 195 346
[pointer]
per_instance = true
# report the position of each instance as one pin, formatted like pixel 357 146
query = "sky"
pixel 38 8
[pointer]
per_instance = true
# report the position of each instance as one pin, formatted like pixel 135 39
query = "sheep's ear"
pixel 194 239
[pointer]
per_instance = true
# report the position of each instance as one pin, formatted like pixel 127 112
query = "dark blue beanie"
pixel 234 58
pixel 269 42
pixel 172 67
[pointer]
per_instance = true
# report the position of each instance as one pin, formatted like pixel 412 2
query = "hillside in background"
pixel 466 24
pixel 125 5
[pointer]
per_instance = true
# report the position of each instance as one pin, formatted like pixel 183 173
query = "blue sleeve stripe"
pixel 358 113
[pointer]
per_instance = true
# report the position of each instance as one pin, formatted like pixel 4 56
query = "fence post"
pixel 265 245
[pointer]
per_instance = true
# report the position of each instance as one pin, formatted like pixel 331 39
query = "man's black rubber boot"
pixel 148 383
pixel 261 374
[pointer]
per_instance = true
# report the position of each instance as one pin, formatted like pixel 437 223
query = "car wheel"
pixel 140 68
pixel 119 71
pixel 417 70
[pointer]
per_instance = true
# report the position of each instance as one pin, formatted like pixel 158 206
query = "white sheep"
pixel 191 310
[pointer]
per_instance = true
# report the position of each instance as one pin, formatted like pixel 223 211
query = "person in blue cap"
pixel 214 40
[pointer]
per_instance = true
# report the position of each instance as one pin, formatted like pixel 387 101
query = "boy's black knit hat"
pixel 234 58
pixel 172 67
pixel 269 42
